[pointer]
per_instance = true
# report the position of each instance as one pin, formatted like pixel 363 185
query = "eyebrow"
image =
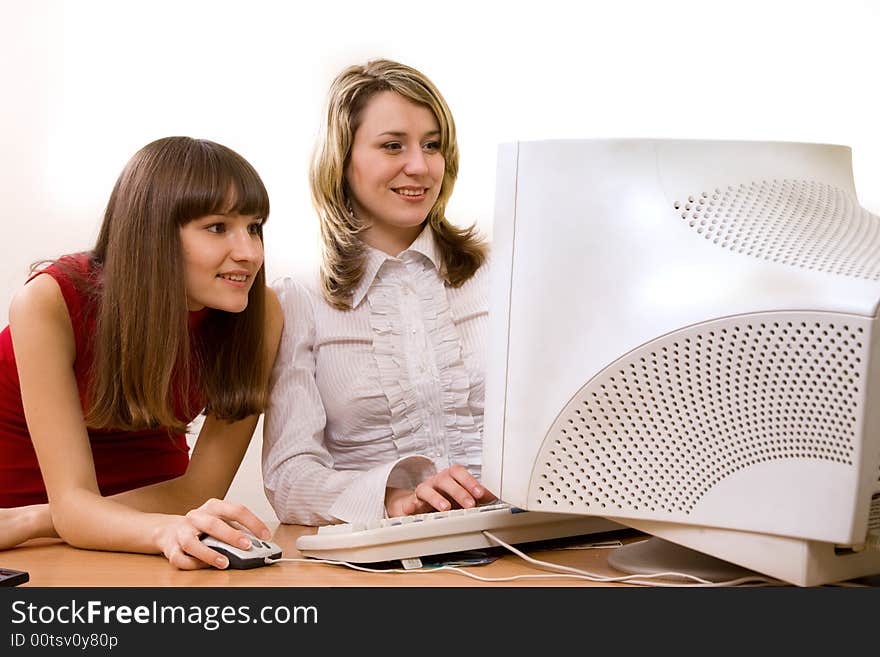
pixel 394 133
pixel 230 214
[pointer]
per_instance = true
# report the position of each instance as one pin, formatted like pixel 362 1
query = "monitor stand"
pixel 656 555
pixel 798 561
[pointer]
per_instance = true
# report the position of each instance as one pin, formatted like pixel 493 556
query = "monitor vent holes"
pixel 801 223
pixel 658 429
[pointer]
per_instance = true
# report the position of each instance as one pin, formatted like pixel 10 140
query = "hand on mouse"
pixel 179 538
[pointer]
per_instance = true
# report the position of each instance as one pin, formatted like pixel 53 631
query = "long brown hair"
pixel 461 249
pixel 142 347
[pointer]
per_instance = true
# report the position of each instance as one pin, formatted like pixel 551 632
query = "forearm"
pixel 302 492
pixel 85 519
pixel 168 497
pixel 20 524
pixel 306 492
pixel 38 521
pixel 215 460
pixel 176 496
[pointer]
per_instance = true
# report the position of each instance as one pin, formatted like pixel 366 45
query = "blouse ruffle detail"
pixel 412 433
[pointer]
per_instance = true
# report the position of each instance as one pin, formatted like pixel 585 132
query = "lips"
pixel 411 193
pixel 238 278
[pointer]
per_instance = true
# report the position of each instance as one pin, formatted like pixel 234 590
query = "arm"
pixel 299 473
pixel 218 452
pixel 19 524
pixel 136 521
pixel 181 495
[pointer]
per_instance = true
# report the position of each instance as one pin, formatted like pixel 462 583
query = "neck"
pixel 391 241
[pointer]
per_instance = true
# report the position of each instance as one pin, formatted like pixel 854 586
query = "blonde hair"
pixel 462 250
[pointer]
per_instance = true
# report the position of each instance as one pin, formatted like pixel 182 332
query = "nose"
pixel 416 164
pixel 246 246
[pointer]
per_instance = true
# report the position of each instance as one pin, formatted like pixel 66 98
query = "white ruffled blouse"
pixel 384 394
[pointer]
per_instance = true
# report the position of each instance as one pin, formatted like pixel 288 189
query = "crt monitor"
pixel 684 339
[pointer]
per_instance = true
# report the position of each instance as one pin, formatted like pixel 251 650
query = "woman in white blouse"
pixel 376 404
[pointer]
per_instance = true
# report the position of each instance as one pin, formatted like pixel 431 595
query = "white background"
pixel 85 84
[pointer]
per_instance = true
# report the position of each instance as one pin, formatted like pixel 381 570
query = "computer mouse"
pixel 241 559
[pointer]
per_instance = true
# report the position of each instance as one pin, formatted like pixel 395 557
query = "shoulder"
pixel 40 297
pixel 274 324
pixel 471 299
pixel 296 291
pixel 487 248
pixel 75 271
pixel 78 279
pixel 487 259
pixel 38 311
pixel 478 283
pixel 296 299
pixel 480 274
pixel 274 313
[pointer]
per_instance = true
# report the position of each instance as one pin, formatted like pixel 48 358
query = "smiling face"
pixel 395 170
pixel 222 254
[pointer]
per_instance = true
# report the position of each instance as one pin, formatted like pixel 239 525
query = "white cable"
pixel 430 570
pixel 456 569
pixel 568 573
pixel 758 580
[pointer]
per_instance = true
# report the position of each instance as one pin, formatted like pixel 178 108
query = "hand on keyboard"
pixel 453 487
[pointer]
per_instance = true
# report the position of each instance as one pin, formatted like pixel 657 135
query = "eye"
pixel 216 228
pixel 256 228
pixel 392 146
pixel 431 146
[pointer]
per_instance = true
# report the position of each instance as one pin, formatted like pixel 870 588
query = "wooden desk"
pixel 53 563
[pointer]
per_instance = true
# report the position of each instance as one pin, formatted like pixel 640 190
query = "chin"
pixel 228 306
pixel 406 223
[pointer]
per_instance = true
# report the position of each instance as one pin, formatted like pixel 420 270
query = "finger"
pixel 413 505
pixel 239 513
pixel 467 481
pixel 207 523
pixel 191 545
pixel 453 490
pixel 486 495
pixel 182 561
pixel 427 494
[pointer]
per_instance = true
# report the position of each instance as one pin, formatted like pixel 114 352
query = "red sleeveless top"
pixel 123 459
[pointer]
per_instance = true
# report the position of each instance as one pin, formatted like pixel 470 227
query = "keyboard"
pixel 442 532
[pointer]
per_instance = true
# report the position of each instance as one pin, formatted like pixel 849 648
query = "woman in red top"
pixel 110 354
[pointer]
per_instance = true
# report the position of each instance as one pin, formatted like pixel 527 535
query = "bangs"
pixel 217 180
